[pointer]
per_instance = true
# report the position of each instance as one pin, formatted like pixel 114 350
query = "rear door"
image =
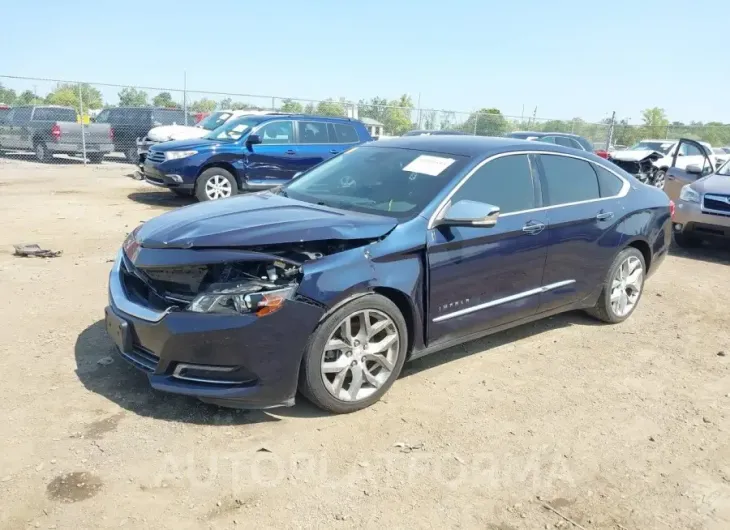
pixel 481 277
pixel 313 144
pixel 678 176
pixel 274 160
pixel 344 136
pixel 21 133
pixel 583 204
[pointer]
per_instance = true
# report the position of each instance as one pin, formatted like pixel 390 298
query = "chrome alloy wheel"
pixel 626 286
pixel 360 355
pixel 218 187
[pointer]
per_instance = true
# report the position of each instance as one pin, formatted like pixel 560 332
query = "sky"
pixel 567 59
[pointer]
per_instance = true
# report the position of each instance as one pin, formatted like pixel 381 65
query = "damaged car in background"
pixel 387 252
pixel 649 160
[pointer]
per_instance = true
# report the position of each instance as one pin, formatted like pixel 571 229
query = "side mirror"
pixel 469 213
pixel 694 169
pixel 253 139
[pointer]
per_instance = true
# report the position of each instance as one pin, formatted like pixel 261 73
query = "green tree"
pixel 486 122
pixel 397 117
pixel 27 97
pixel 164 99
pixel 447 121
pixel 376 109
pixel 7 95
pixel 330 107
pixel 309 108
pixel 67 94
pixel 203 105
pixel 131 97
pixel 429 119
pixel 289 105
pixel 656 124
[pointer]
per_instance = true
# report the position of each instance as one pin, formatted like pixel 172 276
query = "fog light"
pixel 177 179
pixel 219 375
pixel 678 227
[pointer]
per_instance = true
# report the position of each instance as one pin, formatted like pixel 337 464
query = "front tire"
pixel 214 184
pixel 622 288
pixel 355 355
pixel 41 152
pixel 660 178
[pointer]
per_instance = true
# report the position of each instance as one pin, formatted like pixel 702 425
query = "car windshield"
pixel 662 147
pixel 232 130
pixel 378 180
pixel 214 121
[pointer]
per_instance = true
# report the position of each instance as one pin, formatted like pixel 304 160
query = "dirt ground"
pixel 611 427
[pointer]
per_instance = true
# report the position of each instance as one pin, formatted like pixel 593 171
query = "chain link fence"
pixel 98 121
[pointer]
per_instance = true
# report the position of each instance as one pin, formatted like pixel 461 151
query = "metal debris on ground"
pixel 34 251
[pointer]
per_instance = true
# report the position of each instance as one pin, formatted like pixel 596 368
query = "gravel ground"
pixel 620 427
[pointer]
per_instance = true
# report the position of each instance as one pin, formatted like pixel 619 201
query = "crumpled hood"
pixel 637 155
pixel 719 184
pixel 166 133
pixel 257 219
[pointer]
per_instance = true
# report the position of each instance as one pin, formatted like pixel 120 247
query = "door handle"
pixel 334 151
pixel 533 228
pixel 604 216
pixel 669 177
pixel 290 152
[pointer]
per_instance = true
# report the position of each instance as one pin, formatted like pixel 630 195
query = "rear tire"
pixel 95 158
pixel 686 240
pixel 214 184
pixel 360 375
pixel 41 152
pixel 616 288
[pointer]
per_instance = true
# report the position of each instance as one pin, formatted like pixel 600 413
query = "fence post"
pixel 610 130
pixel 476 121
pixel 273 103
pixel 83 127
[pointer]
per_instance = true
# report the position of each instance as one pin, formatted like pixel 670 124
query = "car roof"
pixel 295 116
pixel 543 133
pixel 474 146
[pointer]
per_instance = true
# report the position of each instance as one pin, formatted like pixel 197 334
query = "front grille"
pixel 716 204
pixel 162 288
pixel 629 167
pixel 155 156
pixel 142 358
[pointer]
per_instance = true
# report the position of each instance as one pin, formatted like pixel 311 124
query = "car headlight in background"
pixel 688 194
pixel 175 155
pixel 256 298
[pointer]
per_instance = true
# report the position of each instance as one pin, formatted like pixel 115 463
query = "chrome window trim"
pixel 505 300
pixel 447 200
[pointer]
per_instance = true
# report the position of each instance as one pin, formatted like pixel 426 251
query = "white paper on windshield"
pixel 429 165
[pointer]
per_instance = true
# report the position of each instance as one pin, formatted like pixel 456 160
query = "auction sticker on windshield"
pixel 429 165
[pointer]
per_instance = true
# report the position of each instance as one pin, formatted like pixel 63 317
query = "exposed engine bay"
pixel 279 268
pixel 641 167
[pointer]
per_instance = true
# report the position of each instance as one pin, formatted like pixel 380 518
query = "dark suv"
pixel 130 123
pixel 253 152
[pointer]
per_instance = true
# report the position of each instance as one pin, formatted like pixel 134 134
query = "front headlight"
pixel 688 194
pixel 175 155
pixel 248 298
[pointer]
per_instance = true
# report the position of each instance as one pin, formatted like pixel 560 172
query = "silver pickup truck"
pixel 49 130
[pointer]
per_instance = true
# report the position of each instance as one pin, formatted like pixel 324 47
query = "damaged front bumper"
pixel 234 360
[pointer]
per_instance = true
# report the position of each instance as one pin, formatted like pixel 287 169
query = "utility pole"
pixel 185 96
pixel 610 130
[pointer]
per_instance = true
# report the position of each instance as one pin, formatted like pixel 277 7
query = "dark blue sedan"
pixel 387 252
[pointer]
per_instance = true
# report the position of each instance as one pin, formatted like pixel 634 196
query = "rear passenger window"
pixel 505 182
pixel 346 134
pixel 608 183
pixel 312 132
pixel 565 142
pixel 54 114
pixel 568 180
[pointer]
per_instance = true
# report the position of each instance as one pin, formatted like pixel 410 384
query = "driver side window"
pixel 277 133
pixel 505 182
pixel 689 150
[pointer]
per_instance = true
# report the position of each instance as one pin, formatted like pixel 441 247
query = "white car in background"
pixel 649 160
pixel 166 133
pixel 722 155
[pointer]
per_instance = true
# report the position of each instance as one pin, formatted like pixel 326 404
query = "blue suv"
pixel 250 153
